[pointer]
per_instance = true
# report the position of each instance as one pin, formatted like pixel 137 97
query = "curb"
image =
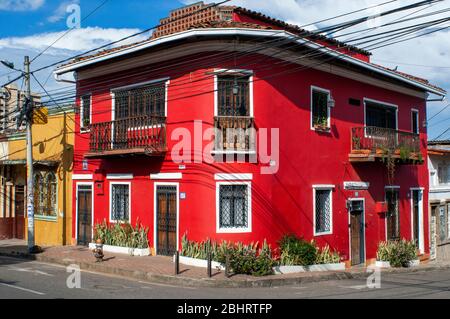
pixel 218 283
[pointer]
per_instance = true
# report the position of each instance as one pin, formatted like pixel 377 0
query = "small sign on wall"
pixel 182 195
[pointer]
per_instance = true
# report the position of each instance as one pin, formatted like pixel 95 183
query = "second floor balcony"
pixel 144 135
pixel 234 134
pixel 370 143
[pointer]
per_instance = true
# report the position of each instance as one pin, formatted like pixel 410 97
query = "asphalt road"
pixel 30 280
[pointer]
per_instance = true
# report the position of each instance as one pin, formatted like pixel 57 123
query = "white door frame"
pixel 363 222
pixel 420 221
pixel 155 212
pixel 76 208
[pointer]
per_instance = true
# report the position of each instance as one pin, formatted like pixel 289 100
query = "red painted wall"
pixel 282 203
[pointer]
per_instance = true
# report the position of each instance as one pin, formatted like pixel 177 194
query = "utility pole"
pixel 30 176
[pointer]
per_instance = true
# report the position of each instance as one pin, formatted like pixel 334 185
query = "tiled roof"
pixel 296 29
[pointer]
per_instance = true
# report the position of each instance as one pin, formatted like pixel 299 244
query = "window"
pixel 322 211
pixel 393 218
pixel 381 115
pixel 142 101
pixel 120 202
pixel 85 115
pixel 233 95
pixel 234 115
pixel 234 207
pixel 45 194
pixel 444 173
pixel 415 121
pixel 320 111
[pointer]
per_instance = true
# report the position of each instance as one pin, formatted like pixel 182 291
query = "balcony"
pixel 234 135
pixel 371 143
pixel 141 135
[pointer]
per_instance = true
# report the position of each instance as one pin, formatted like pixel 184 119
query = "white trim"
pixel 76 208
pixel 355 185
pixel 245 32
pixel 110 202
pixel 82 177
pixel 421 219
pixel 324 186
pixel 350 232
pixel 322 90
pixel 381 103
pixel 329 188
pixel 139 84
pixel 392 187
pixel 250 89
pixel 233 177
pixel 163 176
pixel 155 213
pixel 415 111
pixel 236 230
pixel 119 176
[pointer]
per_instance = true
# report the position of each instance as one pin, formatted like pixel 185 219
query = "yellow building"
pixel 53 158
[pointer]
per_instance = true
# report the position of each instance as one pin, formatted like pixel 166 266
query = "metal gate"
pixel 166 197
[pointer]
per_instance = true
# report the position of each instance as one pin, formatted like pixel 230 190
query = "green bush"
pixel 398 253
pixel 296 251
pixel 122 235
pixel 243 259
pixel 326 256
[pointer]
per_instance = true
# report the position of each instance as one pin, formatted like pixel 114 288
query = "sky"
pixel 29 26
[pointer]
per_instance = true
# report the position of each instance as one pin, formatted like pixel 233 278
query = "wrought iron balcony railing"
pixel 140 134
pixel 371 141
pixel 234 134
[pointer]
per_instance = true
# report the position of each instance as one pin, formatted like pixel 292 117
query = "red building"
pixel 338 156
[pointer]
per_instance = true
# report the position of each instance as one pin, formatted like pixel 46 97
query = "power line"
pixel 411 64
pixel 438 112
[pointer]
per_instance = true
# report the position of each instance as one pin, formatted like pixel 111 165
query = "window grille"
pixel 45 194
pixel 233 96
pixel 233 206
pixel 86 111
pixel 393 220
pixel 146 100
pixel 120 202
pixel 319 108
pixel 323 211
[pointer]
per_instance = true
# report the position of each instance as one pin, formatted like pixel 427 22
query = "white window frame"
pixel 91 184
pixel 84 129
pixel 416 112
pixel 220 72
pixel 323 188
pixel 421 219
pixel 113 221
pixel 165 80
pixel 234 230
pixel 322 90
pixel 382 103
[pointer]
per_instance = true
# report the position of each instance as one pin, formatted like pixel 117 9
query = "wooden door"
pixel 84 198
pixel 19 201
pixel 166 197
pixel 357 228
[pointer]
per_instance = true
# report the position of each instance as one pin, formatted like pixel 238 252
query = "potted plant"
pixel 321 124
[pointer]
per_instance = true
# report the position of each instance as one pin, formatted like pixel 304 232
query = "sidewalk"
pixel 160 269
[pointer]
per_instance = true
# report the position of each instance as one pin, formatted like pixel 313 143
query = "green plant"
pixel 357 143
pixel 122 235
pixel 399 253
pixel 326 256
pixel 296 251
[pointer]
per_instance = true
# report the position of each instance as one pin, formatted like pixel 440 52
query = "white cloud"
pixel 21 5
pixel 60 12
pixel 76 40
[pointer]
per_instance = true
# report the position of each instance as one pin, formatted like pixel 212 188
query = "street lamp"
pixel 10 65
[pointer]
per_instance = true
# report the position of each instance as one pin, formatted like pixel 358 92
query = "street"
pixel 28 279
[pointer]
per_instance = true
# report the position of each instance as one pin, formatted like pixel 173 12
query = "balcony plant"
pixel 321 124
pixel 356 149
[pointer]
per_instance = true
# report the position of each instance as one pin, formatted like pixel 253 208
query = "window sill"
pixel 323 234
pixel 321 129
pixel 84 130
pixel 46 218
pixel 234 230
